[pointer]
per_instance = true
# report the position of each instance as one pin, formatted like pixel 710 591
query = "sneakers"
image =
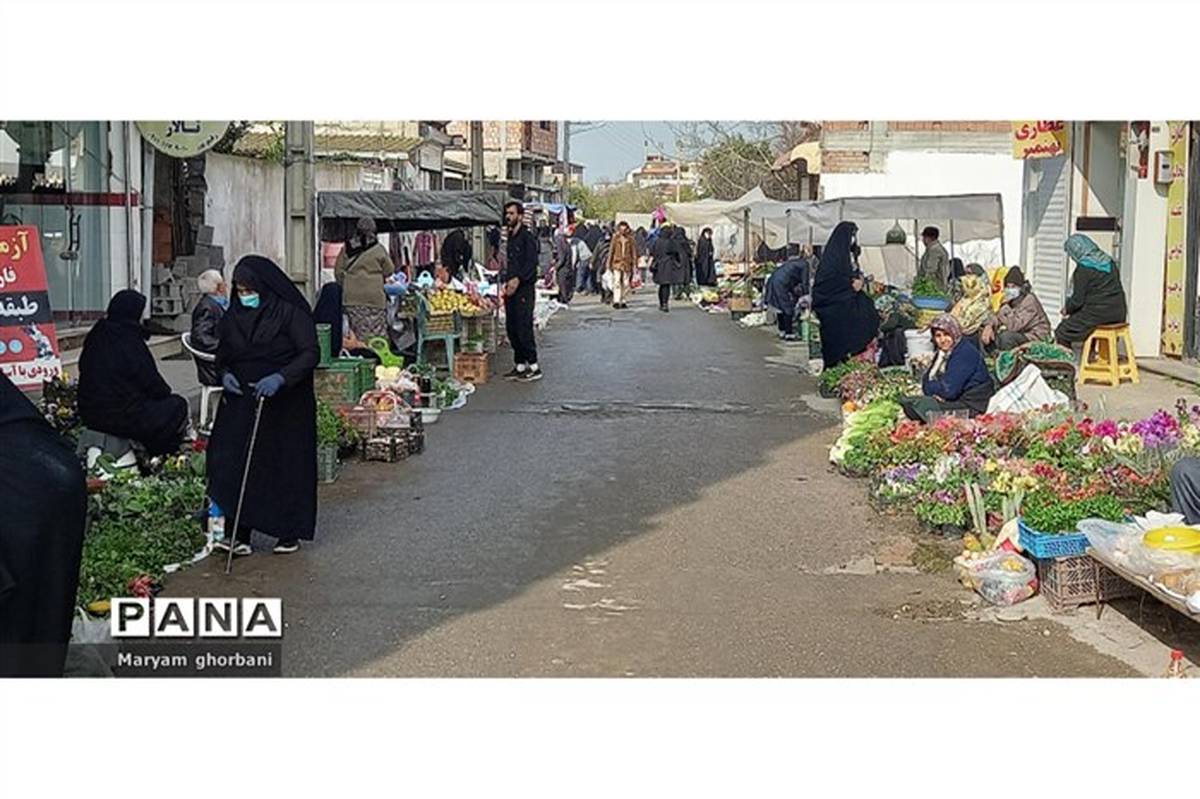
pixel 286 547
pixel 530 376
pixel 664 309
pixel 239 550
pixel 513 374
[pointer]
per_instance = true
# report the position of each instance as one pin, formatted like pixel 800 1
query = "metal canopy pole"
pixel 1003 259
pixel 951 238
pixel 788 235
pixel 746 237
pixel 916 246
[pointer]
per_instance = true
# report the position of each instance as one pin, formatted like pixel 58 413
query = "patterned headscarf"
pixel 948 324
pixel 1087 253
pixel 975 307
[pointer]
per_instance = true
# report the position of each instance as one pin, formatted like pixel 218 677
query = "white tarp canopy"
pixel 711 212
pixel 963 217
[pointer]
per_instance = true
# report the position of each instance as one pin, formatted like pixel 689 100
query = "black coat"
pixel 668 265
pixel 120 389
pixel 206 317
pixel 44 496
pixel 706 265
pixel 278 337
pixel 456 253
pixel 849 321
pixel 1096 299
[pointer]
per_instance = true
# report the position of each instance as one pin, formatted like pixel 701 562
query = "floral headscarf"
pixel 975 307
pixel 1087 253
pixel 948 324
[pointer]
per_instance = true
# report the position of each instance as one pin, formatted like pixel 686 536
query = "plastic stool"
pixel 1101 356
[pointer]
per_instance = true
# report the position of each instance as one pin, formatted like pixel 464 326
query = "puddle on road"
pixel 582 582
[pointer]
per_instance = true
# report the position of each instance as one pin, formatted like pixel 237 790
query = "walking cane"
pixel 237 516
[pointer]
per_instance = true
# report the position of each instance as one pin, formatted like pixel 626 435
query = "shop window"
pixel 544 125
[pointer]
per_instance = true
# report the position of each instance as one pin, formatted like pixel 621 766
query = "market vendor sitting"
pixel 121 391
pixel 958 379
pixel 974 309
pixel 1020 320
pixel 784 288
pixel 1096 294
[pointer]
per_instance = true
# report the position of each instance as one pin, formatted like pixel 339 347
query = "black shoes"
pixel 287 547
pixel 513 374
pixel 530 376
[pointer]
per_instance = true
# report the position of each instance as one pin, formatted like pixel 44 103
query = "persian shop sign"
pixel 28 344
pixel 183 139
pixel 1044 139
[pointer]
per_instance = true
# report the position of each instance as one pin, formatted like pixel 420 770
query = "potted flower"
pixel 329 433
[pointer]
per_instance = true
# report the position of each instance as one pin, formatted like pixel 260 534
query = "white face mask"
pixel 1011 293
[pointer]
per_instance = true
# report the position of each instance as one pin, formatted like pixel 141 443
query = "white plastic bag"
pixel 1028 392
pixel 1004 579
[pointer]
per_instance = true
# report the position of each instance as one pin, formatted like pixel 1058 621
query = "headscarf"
pixel 1014 277
pixel 275 291
pixel 976 304
pixel 949 325
pixel 957 270
pixel 836 270
pixel 363 238
pixel 1087 253
pixel 125 308
pixel 885 304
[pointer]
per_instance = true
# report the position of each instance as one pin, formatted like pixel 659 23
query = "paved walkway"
pixel 659 505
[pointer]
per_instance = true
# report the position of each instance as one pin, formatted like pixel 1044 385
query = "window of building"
pixel 544 125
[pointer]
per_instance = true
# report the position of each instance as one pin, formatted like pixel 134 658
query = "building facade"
pixel 516 155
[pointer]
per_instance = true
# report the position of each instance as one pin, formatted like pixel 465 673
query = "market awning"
pixel 970 217
pixel 396 211
pixel 708 212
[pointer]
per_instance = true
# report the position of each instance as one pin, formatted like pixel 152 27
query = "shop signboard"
pixel 28 345
pixel 1039 139
pixel 183 139
pixel 1176 265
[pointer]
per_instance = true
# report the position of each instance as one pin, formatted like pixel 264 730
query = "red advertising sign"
pixel 28 345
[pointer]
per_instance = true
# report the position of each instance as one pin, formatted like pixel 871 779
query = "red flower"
pixel 200 445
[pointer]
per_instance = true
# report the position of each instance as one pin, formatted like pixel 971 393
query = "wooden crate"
pixel 741 304
pixel 471 368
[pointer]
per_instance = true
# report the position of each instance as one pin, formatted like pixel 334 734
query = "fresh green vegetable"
pixel 1047 514
pixel 138 526
pixel 927 287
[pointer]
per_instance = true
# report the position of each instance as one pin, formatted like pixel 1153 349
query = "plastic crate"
pixel 386 448
pixel 930 303
pixel 437 323
pixel 336 386
pixel 324 334
pixel 1047 546
pixel 1071 582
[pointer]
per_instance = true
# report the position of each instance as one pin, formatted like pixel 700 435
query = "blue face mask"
pixel 221 299
pixel 249 300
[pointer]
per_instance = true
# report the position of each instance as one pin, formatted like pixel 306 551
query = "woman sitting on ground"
pixel 1021 318
pixel 957 380
pixel 974 309
pixel 121 392
pixel 1096 294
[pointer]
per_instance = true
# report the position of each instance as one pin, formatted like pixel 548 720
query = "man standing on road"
pixel 622 260
pixel 935 263
pixel 518 288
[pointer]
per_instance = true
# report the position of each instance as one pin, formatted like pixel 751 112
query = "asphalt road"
pixel 659 505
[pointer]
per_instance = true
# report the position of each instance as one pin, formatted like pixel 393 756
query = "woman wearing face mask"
pixel 268 350
pixel 957 380
pixel 1020 320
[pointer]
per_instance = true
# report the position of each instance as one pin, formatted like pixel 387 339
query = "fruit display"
pixel 445 301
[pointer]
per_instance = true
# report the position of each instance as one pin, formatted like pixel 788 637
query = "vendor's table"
pixel 1148 588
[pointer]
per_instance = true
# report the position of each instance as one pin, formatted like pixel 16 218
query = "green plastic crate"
pixel 324 333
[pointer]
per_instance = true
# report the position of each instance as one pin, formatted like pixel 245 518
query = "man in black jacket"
pixel 205 318
pixel 518 287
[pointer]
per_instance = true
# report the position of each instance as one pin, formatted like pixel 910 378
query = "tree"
pixel 736 157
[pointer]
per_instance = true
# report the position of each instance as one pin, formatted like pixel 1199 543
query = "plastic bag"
pixel 1004 579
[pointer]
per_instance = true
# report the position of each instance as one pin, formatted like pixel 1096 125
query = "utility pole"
pixel 299 198
pixel 477 184
pixel 566 192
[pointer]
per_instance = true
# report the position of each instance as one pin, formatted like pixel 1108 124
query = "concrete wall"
pixel 244 206
pixel 1144 253
pixel 244 202
pixel 931 173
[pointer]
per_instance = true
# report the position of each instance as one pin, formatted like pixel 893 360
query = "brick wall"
pixel 844 126
pixel 953 126
pixel 543 142
pixel 843 161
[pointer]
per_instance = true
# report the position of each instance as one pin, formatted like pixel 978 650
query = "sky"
pixel 614 148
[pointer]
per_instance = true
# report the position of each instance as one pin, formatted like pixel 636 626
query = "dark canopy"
pixel 398 211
